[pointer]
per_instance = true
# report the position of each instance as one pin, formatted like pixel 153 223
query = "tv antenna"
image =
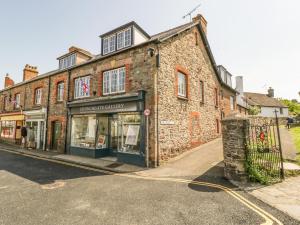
pixel 190 12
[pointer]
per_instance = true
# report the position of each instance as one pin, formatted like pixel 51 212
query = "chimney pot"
pixel 8 81
pixel 29 72
pixel 271 92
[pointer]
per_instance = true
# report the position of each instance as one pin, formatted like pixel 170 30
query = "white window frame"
pixel 78 88
pixel 181 84
pixel 60 91
pixel 114 81
pixel 17 100
pixel 121 38
pixel 38 96
pixel 68 61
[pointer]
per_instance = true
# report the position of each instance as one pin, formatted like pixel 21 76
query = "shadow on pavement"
pixel 214 175
pixel 41 171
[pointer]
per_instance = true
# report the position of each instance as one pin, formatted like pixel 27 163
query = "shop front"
pixel 109 127
pixel 10 127
pixel 35 121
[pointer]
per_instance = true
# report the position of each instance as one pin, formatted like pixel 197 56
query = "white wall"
pixel 269 112
pixel 138 37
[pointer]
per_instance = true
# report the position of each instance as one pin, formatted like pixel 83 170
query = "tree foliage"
pixel 254 110
pixel 293 105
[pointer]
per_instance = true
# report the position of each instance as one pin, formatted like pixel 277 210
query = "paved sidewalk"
pixel 107 163
pixel 193 163
pixel 284 196
pixel 289 150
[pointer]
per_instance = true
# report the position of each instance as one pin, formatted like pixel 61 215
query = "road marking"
pixel 269 219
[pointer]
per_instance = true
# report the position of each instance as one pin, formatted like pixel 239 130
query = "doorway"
pixel 56 132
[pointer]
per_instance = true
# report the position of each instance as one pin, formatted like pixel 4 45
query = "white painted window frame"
pixel 120 80
pixel 78 89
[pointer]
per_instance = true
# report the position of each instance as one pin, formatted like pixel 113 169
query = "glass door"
pixel 114 133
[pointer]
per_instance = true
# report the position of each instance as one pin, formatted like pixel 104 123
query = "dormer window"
pixel 123 37
pixel 67 61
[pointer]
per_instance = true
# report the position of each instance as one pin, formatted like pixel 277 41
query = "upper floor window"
pixel 216 97
pixel 114 81
pixel 82 87
pixel 60 91
pixel 5 103
pixel 67 61
pixel 124 39
pixel 232 103
pixel 17 100
pixel 182 84
pixel 109 44
pixel 201 91
pixel 38 96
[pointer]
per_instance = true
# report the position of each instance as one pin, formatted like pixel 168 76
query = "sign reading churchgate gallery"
pixel 106 108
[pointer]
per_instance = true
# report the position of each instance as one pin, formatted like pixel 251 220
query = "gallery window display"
pixel 83 131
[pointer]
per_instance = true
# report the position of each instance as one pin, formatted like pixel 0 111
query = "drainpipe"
pixel 67 114
pixel 157 58
pixel 47 115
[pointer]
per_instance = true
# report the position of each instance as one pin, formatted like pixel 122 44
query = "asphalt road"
pixel 35 192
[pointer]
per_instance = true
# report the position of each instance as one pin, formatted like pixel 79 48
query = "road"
pixel 35 192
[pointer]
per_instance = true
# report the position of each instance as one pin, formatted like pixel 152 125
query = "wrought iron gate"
pixel 264 152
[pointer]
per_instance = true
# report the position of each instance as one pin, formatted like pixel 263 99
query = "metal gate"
pixel 264 153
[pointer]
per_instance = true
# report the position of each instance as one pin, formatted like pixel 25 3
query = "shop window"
pixel 82 87
pixel 102 132
pixel 114 81
pixel 60 92
pixel 182 84
pixel 38 96
pixel 83 131
pixel 7 129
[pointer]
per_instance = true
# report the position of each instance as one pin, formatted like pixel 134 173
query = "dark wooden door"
pixel 56 132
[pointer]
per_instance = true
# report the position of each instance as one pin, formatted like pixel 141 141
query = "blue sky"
pixel 258 39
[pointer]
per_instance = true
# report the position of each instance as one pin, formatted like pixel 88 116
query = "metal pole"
pixel 279 142
pixel 147 141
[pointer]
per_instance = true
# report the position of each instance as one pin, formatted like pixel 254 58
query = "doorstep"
pixel 106 163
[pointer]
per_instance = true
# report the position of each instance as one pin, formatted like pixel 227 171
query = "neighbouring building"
pixel 93 105
pixel 267 104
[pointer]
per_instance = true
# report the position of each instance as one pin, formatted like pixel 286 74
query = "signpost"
pixel 147 114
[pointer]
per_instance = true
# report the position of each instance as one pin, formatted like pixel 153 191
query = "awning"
pixel 12 117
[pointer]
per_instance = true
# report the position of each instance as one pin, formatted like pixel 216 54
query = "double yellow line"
pixel 269 219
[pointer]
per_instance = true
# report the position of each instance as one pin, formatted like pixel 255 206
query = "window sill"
pixel 182 98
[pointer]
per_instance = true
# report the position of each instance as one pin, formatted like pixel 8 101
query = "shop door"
pixel 56 132
pixel 114 134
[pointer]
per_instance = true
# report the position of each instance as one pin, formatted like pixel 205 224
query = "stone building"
pixel 96 103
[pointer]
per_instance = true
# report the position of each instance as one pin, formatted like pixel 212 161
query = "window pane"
pixel 105 46
pixel 114 81
pixel 83 131
pixel 120 40
pixel 127 37
pixel 112 43
pixel 181 84
pixel 82 87
pixel 122 79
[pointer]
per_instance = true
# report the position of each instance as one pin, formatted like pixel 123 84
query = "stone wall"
pixel 234 148
pixel 260 120
pixel 184 123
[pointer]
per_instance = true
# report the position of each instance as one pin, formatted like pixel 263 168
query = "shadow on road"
pixel 214 175
pixel 40 171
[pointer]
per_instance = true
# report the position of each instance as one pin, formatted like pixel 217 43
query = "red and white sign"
pixel 147 112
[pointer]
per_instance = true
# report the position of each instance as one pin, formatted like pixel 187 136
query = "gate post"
pixel 234 131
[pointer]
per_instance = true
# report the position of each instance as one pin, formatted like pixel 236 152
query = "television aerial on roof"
pixel 191 12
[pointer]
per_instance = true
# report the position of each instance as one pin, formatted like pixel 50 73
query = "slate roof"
pixel 257 99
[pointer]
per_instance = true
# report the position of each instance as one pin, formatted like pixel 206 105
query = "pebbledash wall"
pixel 176 124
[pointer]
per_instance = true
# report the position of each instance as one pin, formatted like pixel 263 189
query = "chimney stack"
pixel 239 84
pixel 203 22
pixel 29 72
pixel 8 81
pixel 271 92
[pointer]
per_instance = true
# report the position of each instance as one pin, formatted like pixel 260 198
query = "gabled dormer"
pixel 122 37
pixel 74 57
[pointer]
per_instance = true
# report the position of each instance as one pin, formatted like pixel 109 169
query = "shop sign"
pixel 107 108
pixel 167 122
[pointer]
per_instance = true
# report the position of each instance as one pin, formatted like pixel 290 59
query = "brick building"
pixel 95 104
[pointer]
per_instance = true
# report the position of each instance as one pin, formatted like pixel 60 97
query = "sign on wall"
pixel 106 108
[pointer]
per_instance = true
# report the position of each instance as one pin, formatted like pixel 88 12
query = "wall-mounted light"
pixel 151 52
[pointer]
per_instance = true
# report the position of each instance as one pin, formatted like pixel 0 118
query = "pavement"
pixel 44 191
pixel 289 150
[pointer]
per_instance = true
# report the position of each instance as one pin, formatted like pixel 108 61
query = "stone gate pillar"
pixel 234 147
